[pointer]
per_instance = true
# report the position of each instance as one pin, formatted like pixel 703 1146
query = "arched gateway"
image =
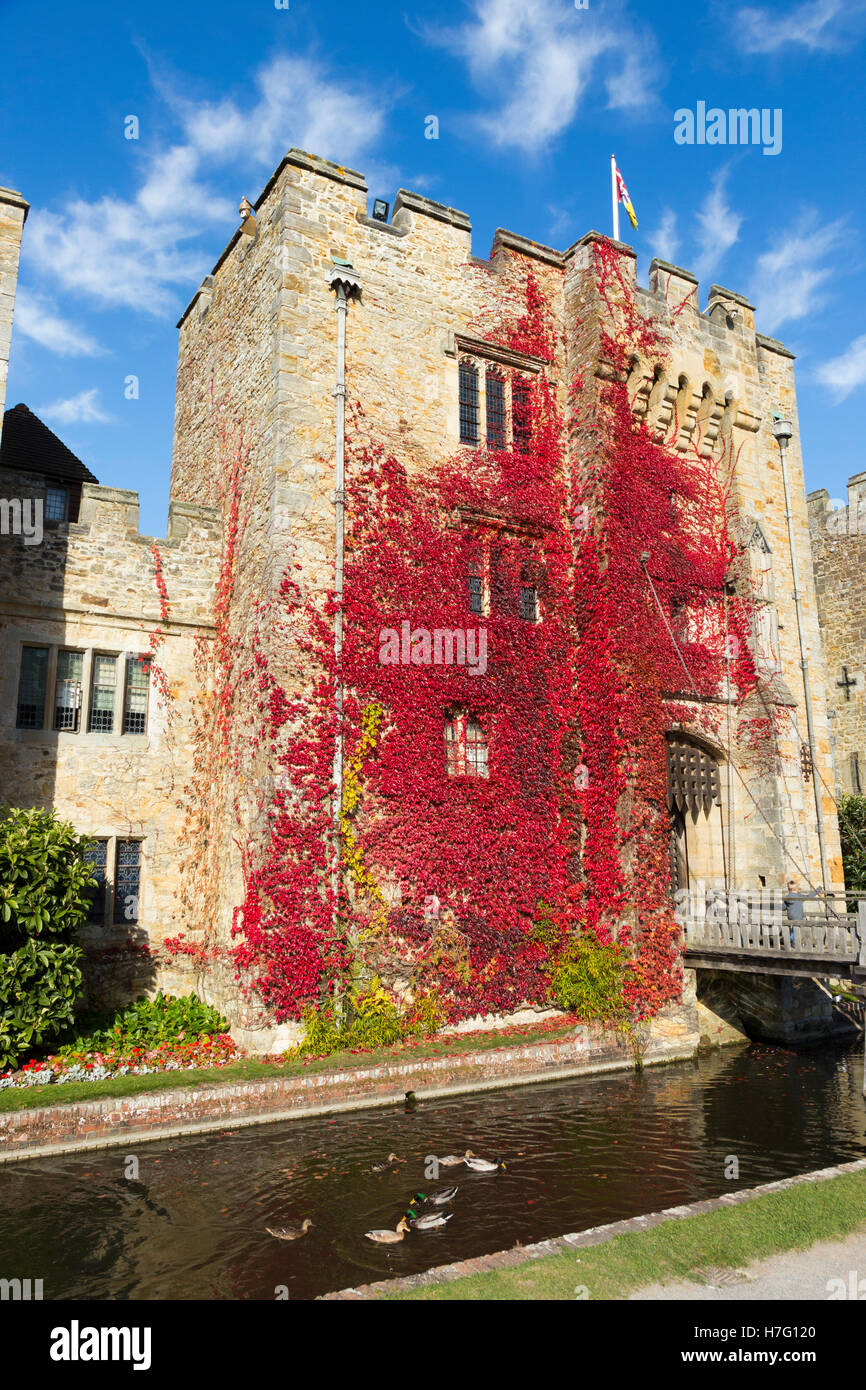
pixel 697 831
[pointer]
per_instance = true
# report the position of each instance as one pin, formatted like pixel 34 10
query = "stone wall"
pixel 91 587
pixel 13 214
pixel 839 559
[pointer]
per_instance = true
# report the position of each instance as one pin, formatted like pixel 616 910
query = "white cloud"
pixel 718 228
pixel 815 25
pixel 36 319
pixel 540 57
pixel 664 240
pixel 789 278
pixel 297 105
pixel 845 373
pixel 75 410
pixel 135 252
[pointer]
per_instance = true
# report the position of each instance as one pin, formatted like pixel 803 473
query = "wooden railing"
pixel 753 931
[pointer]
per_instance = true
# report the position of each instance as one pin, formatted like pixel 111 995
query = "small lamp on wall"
pixel 380 210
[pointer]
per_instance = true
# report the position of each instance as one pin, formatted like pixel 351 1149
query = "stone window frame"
pixel 123 658
pixel 503 363
pixel 108 918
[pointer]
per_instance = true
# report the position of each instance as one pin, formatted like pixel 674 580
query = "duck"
pixel 481 1165
pixel 385 1164
pixel 389 1237
pixel 428 1221
pixel 290 1232
pixel 450 1161
pixel 436 1199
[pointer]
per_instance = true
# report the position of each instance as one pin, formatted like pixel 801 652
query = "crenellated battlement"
pixel 846 520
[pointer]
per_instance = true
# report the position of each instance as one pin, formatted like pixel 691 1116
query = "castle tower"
pixel 438 355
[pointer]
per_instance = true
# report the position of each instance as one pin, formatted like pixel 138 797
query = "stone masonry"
pixel 13 215
pixel 839 560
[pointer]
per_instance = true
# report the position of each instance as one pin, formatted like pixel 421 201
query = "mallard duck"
pixel 481 1165
pixel 388 1237
pixel 450 1161
pixel 436 1199
pixel 290 1232
pixel 385 1165
pixel 428 1221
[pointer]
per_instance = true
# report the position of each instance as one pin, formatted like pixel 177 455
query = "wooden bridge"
pixel 744 936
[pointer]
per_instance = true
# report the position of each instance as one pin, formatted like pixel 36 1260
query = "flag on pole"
pixel 622 195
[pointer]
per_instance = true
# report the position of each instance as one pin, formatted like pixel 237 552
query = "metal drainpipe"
pixel 346 282
pixel 782 431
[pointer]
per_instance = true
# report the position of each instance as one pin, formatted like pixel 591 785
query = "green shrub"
pixel 149 1022
pixel 852 827
pixel 46 887
pixel 587 979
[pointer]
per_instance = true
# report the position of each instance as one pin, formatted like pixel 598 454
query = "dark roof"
pixel 31 447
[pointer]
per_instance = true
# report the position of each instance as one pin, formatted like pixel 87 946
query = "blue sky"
pixel 532 96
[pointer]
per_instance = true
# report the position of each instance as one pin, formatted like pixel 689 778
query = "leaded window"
pixel 127 881
pixel 56 503
pixel 67 690
pixel 465 747
pixel 476 593
pixel 495 396
pixel 452 746
pixel 528 603
pixel 102 695
pixel 97 858
pixel 520 416
pixel 468 403
pixel 135 694
pixel 476 750
pixel 31 688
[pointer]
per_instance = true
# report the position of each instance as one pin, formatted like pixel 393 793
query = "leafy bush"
pixel 852 827
pixel 150 1022
pixel 371 1019
pixel 46 886
pixel 587 979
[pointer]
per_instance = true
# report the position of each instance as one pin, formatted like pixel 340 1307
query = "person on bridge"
pixel 794 903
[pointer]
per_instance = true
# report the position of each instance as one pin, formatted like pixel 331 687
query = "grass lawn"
pixel 26 1098
pixel 730 1238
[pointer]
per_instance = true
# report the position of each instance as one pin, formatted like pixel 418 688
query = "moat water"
pixel 578 1153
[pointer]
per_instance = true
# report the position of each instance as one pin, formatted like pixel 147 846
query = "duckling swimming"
pixel 388 1237
pixel 481 1165
pixel 289 1232
pixel 385 1165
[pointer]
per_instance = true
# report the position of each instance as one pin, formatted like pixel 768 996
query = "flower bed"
pixel 215 1050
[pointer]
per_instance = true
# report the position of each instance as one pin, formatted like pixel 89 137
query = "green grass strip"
pixel 730 1237
pixel 73 1092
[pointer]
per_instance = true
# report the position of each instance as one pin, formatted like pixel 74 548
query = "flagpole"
pixel 614 198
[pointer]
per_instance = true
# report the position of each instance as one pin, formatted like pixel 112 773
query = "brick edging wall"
pixel 189 1110
pixel 593 1235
